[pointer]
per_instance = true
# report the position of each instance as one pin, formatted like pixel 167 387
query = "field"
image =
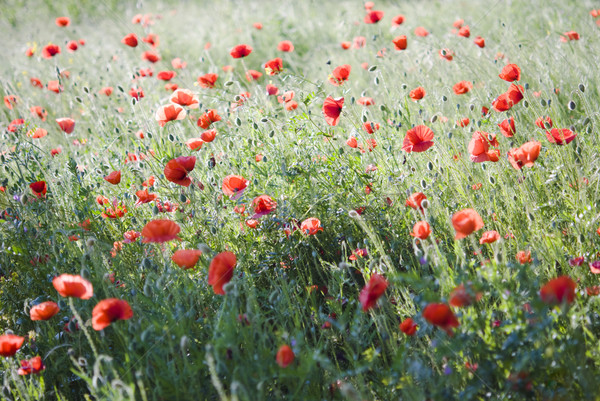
pixel 300 200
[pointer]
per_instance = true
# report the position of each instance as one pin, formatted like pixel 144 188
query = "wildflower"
pixel 523 257
pixel 507 127
pixel 440 314
pixel 10 344
pixel 69 285
pixel 510 73
pixel 372 291
pixel 332 108
pixel 311 226
pixel 415 201
pixel 561 289
pixel 408 326
pixel 466 222
pixel 263 205
pixel 340 74
pixel 220 271
pixel 285 46
pixel 34 365
pixel 560 136
pixel 525 155
pixel 39 188
pixel 489 237
pixel 50 51
pixel 462 87
pixel 421 230
pixel 274 66
pixel 208 118
pixel 417 93
pixel 170 112
pixel 234 186
pixel 108 311
pixel 479 147
pixel 130 40
pixel 177 170
pixel 418 139
pixel 160 231
pixel 240 51
pixel 44 311
pixel 285 356
pixel 400 42
pixel 462 296
pixel 114 177
pixel 66 124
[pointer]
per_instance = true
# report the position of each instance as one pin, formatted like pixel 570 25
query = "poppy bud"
pixel 582 88
pixel 572 105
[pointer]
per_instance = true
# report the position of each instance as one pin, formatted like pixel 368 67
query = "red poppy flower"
pixel 311 226
pixel 352 142
pixel 525 155
pixel 466 222
pixel 178 64
pixel 359 42
pixel 272 90
pixel 186 258
pixel 372 291
pixel 144 197
pixel 373 17
pixel 421 230
pixel 463 296
pixel 185 97
pixel 507 127
pixel 220 271
pixel 208 80
pixel 463 122
pixel 240 51
pixel 39 188
pixel 489 237
pixel 418 139
pixel 170 112
pixel 560 136
pixel 166 75
pixel 462 87
pixel 332 108
pixel 346 45
pixel 44 311
pixel 114 177
pixel 10 344
pixel 72 46
pixel 38 133
pixel 151 39
pixel 365 101
pixel 415 201
pixel 408 326
pixel 108 311
pixel 177 170
pixel 464 31
pixel 479 147
pixel 63 21
pixel 447 54
pixel 274 66
pixel 32 366
pixel 10 101
pixel 417 93
pixel 561 289
pixel 400 42
pixel 234 186
pixel 285 356
pixel 479 41
pixel 36 82
pixel 136 93
pixel 130 40
pixel 523 257
pixel 66 124
pixel 370 127
pixel 253 75
pixel 50 50
pixel 420 31
pixel 107 91
pixel 544 122
pixel 150 56
pixel 285 46
pixel 441 315
pixel 69 285
pixel 340 74
pixel 208 136
pixel 510 73
pixel 160 231
pixel 263 205
pixel 208 118
pixel 568 36
pixel 515 93
pixel 398 20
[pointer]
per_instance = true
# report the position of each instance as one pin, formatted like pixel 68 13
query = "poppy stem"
pixel 81 324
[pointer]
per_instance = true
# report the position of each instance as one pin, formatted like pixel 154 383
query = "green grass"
pixel 184 341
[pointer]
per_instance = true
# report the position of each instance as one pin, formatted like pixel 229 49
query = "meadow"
pixel 300 200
